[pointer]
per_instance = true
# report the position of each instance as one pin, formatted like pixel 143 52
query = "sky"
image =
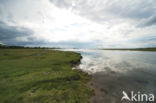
pixel 78 23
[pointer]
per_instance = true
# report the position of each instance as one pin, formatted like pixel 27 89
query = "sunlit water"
pixel 115 71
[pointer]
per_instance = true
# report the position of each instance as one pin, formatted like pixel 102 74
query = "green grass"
pixel 41 76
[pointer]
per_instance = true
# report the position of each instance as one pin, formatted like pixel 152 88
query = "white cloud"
pixel 110 23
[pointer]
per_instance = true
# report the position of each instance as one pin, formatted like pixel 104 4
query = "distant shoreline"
pixel 131 49
pixel 38 47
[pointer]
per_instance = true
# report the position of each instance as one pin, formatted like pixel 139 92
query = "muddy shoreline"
pixel 108 86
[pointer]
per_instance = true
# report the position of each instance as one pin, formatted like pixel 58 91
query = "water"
pixel 117 71
pixel 119 61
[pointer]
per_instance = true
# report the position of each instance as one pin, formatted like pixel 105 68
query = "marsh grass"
pixel 41 76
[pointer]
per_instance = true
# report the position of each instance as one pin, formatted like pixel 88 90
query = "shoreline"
pixel 89 83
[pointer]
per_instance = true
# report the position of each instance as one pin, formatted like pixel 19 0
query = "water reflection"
pixel 116 61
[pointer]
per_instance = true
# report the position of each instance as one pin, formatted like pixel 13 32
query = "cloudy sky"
pixel 78 23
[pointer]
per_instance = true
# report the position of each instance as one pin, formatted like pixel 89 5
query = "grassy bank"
pixel 41 76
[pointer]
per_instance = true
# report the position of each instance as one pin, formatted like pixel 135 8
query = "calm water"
pixel 117 71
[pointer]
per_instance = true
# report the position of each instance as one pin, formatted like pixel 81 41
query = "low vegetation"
pixel 132 49
pixel 41 76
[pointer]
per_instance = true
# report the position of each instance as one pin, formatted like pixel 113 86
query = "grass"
pixel 41 76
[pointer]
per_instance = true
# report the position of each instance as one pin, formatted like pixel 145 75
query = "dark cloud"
pixel 62 3
pixel 10 33
pixel 148 22
pixel 151 21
